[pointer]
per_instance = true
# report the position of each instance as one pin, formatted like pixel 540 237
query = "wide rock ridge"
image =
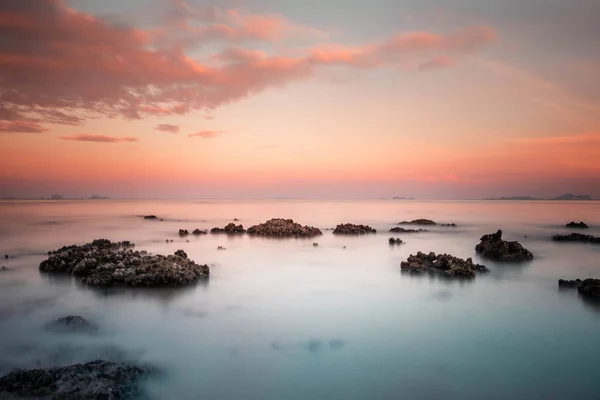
pixel 229 229
pixel 444 264
pixel 104 263
pixel 576 237
pixel 98 379
pixel 280 227
pixel 587 287
pixel 493 247
pixel 420 221
pixel 352 229
pixel 398 229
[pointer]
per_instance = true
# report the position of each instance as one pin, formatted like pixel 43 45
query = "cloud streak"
pixel 21 127
pixel 167 128
pixel 98 138
pixel 206 134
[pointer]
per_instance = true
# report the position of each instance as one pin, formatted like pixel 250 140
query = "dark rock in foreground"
pixel 151 217
pixel 576 237
pixel 229 229
pixel 280 227
pixel 183 232
pixel 198 232
pixel 586 287
pixel 352 229
pixel 72 323
pixel 578 225
pixel 493 247
pixel 420 221
pixel 93 380
pixel 397 229
pixel 104 263
pixel 444 264
pixel 395 241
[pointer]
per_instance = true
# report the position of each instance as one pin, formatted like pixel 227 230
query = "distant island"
pixel 402 198
pixel 96 197
pixel 567 196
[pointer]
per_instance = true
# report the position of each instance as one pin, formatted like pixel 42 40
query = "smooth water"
pixel 281 319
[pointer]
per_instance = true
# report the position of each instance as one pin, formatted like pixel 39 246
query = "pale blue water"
pixel 281 319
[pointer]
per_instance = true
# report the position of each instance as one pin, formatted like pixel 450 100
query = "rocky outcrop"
pixel 398 229
pixel 104 263
pixel 587 287
pixel 279 227
pixel 183 232
pixel 229 229
pixel 420 221
pixel 449 225
pixel 443 264
pixel 94 380
pixel 72 323
pixel 199 232
pixel 151 217
pixel 576 237
pixel 395 241
pixel 577 225
pixel 493 247
pixel 352 229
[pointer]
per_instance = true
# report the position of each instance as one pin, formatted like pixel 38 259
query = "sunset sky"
pixel 327 98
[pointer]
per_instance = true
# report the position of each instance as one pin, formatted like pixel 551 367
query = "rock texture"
pixel 93 380
pixel 229 229
pixel 587 287
pixel 395 241
pixel 493 247
pixel 72 323
pixel 104 263
pixel 444 264
pixel 280 227
pixel 578 225
pixel 398 229
pixel 420 221
pixel 352 229
pixel 576 237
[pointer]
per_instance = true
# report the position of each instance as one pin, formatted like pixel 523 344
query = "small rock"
pixel 183 232
pixel 493 247
pixel 4 268
pixel 576 237
pixel 229 229
pixel 72 323
pixel 444 264
pixel 199 232
pixel 587 287
pixel 280 227
pixel 352 229
pixel 577 225
pixel 182 254
pixel 235 219
pixel 221 248
pixel 395 241
pixel 6 256
pixel 315 244
pixel 398 229
pixel 151 217
pixel 450 225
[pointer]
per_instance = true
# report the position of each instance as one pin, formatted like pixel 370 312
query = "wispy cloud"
pixel 167 128
pixel 206 134
pixel 21 127
pixel 99 138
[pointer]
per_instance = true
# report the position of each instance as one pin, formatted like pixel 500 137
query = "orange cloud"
pixel 206 134
pixel 167 128
pixel 98 138
pixel 21 127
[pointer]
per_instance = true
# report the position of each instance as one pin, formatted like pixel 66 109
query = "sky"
pixel 307 99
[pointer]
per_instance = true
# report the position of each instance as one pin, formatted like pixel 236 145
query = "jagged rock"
pixel 183 232
pixel 493 247
pixel 395 241
pixel 587 287
pixel 576 237
pixel 98 379
pixel 444 264
pixel 198 232
pixel 449 225
pixel 398 229
pixel 280 227
pixel 151 217
pixel 104 263
pixel 72 323
pixel 352 229
pixel 420 221
pixel 579 225
pixel 229 229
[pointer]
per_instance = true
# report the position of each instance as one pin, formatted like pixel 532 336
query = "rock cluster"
pixel 94 380
pixel 104 263
pixel 72 323
pixel 280 227
pixel 450 225
pixel 586 287
pixel 398 229
pixel 576 237
pixel 198 232
pixel 493 247
pixel 395 241
pixel 444 264
pixel 420 221
pixel 229 229
pixel 579 225
pixel 352 229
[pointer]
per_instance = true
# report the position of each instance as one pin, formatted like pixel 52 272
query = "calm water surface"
pixel 281 319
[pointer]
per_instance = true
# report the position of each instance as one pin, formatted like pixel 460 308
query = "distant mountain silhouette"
pixel 567 196
pixel 402 198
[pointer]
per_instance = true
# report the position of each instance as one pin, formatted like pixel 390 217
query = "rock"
pixel 352 229
pixel 395 241
pixel 167 241
pixel 587 287
pixel 344 247
pixel 98 379
pixel 183 232
pixel 236 220
pixel 420 221
pixel 579 225
pixel 72 323
pixel 104 263
pixel 315 244
pixel 4 268
pixel 151 217
pixel 280 227
pixel 449 225
pixel 398 229
pixel 444 264
pixel 198 232
pixel 6 256
pixel 221 248
pixel 493 247
pixel 229 229
pixel 576 237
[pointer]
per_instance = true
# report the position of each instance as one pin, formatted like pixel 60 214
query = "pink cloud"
pixel 99 138
pixel 167 128
pixel 21 127
pixel 206 134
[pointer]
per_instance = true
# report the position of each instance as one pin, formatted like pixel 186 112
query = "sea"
pixel 282 319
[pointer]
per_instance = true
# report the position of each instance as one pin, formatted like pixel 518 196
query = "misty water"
pixel 281 319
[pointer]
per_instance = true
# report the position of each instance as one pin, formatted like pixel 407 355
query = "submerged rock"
pixel 104 263
pixel 98 379
pixel 352 229
pixel 576 237
pixel 72 323
pixel 229 229
pixel 579 225
pixel 183 232
pixel 587 287
pixel 395 241
pixel 493 247
pixel 420 221
pixel 280 227
pixel 444 264
pixel 398 229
